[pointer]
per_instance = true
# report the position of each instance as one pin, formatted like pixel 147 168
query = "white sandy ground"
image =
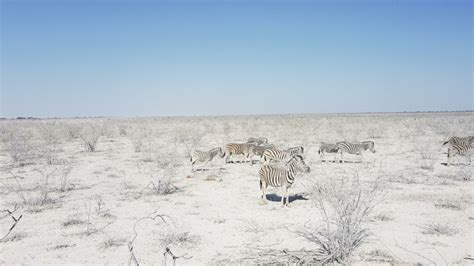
pixel 223 220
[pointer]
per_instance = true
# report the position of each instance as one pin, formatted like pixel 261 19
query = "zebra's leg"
pixel 342 157
pixel 263 187
pixel 449 156
pixel 283 198
pixel 249 158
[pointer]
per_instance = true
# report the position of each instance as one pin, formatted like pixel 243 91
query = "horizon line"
pixel 236 115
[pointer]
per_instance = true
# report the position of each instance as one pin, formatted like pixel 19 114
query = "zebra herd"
pixel 274 175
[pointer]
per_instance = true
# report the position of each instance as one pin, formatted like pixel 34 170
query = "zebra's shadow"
pixel 455 164
pixel 339 161
pixel 353 162
pixel 244 162
pixel 208 169
pixel 291 198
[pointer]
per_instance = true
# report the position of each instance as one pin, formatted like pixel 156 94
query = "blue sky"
pixel 154 58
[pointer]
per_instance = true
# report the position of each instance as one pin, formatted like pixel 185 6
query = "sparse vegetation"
pixel 72 222
pixel 448 204
pixel 74 196
pixel 111 242
pixel 438 228
pixel 427 160
pixel 20 147
pixel 177 238
pixel 345 206
pixel 90 135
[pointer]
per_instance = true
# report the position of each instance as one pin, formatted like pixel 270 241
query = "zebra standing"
pixel 327 148
pixel 204 156
pixel 257 141
pixel 355 148
pixel 259 150
pixel 237 149
pixel 281 177
pixel 459 146
pixel 274 154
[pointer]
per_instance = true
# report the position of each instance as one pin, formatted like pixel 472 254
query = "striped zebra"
pixel 327 148
pixel 278 155
pixel 259 150
pixel 281 177
pixel 237 149
pixel 204 156
pixel 357 148
pixel 257 141
pixel 460 146
pixel 461 141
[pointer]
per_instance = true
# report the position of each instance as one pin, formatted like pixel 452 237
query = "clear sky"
pixel 154 58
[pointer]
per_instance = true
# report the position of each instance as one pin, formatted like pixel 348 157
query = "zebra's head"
pixel 369 145
pixel 298 163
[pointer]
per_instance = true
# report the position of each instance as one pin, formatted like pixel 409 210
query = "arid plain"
pixel 135 197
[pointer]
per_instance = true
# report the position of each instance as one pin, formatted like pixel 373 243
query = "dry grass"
pixel 105 187
pixel 178 238
pixel 111 242
pixel 438 228
pixel 448 204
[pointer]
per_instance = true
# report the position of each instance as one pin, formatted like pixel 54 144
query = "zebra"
pixel 237 149
pixel 259 150
pixel 458 140
pixel 204 156
pixel 327 148
pixel 281 177
pixel 459 146
pixel 257 141
pixel 274 154
pixel 355 148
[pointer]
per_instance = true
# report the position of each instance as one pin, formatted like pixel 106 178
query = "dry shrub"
pixel 19 146
pixel 90 135
pixel 62 175
pixel 437 228
pixel 39 196
pixel 162 174
pixel 72 131
pixel 427 158
pixel 176 237
pixel 140 137
pixel 345 205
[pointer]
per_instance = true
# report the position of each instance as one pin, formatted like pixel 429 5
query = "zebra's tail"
pixel 446 142
pixel 261 185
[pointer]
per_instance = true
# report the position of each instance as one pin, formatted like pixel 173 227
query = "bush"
pixel 345 206
pixel 436 228
pixel 20 147
pixel 90 136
